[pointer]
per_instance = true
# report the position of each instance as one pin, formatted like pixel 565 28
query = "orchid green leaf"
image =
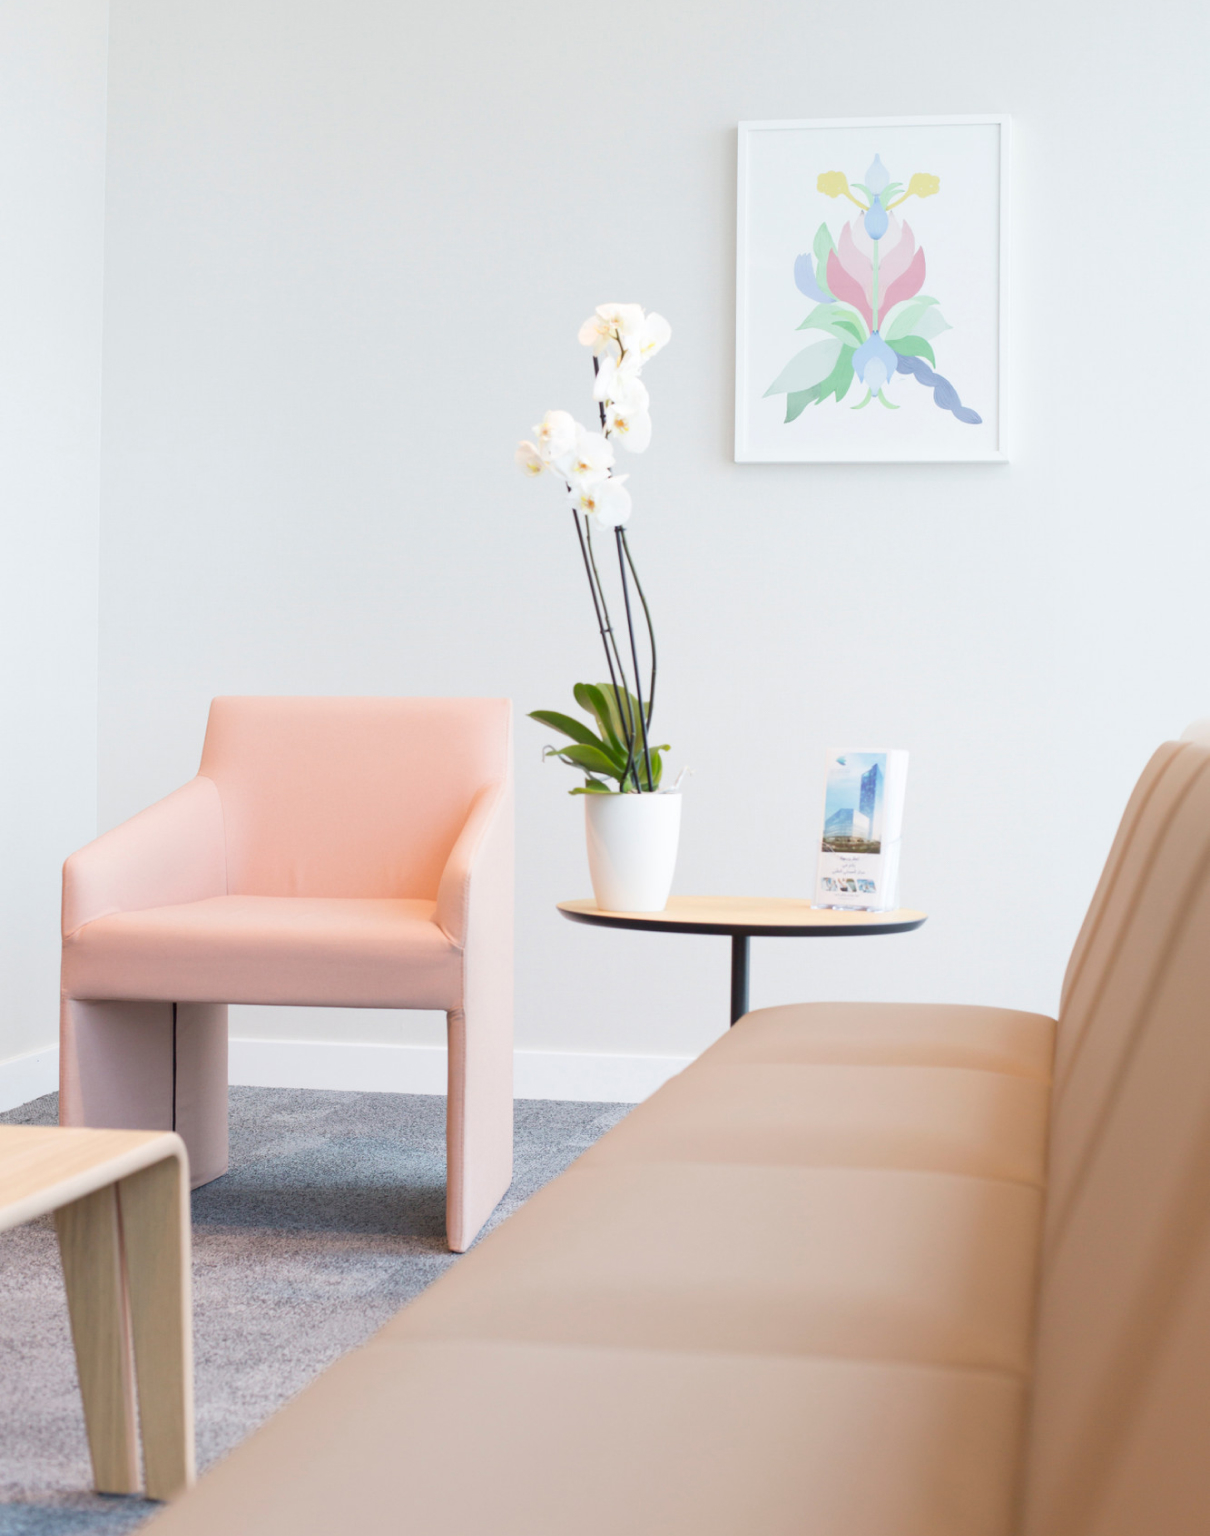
pixel 591 698
pixel 568 725
pixel 590 758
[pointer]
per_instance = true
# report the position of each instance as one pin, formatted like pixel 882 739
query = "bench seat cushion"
pixel 462 1437
pixel 937 1119
pixel 793 1291
pixel 869 1263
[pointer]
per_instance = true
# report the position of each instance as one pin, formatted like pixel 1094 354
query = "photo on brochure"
pixel 854 802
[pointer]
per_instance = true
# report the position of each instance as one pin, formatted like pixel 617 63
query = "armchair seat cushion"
pixel 309 950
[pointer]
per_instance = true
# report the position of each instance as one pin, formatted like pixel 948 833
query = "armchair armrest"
pixel 170 853
pixel 482 855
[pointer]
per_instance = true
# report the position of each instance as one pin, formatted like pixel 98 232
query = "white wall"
pixel 52 183
pixel 349 244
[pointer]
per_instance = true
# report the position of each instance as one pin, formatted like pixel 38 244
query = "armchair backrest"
pixel 1121 1398
pixel 349 797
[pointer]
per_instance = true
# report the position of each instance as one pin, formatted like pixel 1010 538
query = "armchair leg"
pixel 479 1122
pixel 116 1065
pixel 201 1087
pixel 148 1067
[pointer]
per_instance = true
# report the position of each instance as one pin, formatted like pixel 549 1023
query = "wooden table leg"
pixel 90 1248
pixel 155 1232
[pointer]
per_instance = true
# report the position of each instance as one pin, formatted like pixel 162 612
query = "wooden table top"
pixel 748 916
pixel 45 1166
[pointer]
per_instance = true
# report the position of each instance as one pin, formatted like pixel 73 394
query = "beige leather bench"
pixel 821 1283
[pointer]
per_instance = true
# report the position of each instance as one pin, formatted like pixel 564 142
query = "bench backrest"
pixel 1121 1402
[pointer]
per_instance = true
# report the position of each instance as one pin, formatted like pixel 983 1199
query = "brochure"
pixel 862 823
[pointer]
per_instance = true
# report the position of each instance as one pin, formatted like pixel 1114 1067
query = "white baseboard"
pixel 578 1075
pixel 27 1077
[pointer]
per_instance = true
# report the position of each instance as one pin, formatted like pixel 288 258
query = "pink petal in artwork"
pixel 847 288
pixel 897 258
pixel 905 286
pixel 854 263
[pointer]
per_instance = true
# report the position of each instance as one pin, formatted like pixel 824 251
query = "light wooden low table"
pixel 121 1206
pixel 744 918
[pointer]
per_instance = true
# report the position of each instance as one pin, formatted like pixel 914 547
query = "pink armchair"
pixel 347 852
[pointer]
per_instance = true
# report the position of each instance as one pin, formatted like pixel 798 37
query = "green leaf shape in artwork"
pixel 568 725
pixel 807 368
pixel 901 320
pixel 823 243
pixel 836 320
pixel 919 317
pixel 837 383
pixel 913 346
pixel 592 787
pixel 850 324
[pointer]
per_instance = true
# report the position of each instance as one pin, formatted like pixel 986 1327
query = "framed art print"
pixel 870 290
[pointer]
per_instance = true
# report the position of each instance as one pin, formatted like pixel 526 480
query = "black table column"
pixel 739 975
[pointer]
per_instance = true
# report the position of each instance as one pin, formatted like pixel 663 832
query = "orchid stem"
pixel 638 587
pixel 634 656
pixel 602 624
pixel 625 716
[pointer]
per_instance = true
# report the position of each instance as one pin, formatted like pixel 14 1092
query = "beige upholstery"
pixel 799 1289
pixel 1122 1405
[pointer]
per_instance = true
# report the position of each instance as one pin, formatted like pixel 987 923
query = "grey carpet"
pixel 331 1218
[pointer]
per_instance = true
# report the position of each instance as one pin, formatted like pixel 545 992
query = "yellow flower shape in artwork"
pixel 836 184
pixel 922 184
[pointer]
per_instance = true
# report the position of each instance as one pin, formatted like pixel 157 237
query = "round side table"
pixel 743 918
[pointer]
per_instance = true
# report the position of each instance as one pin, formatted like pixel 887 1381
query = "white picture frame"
pixel 940 404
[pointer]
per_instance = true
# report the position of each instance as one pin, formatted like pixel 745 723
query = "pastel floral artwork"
pixel 876 328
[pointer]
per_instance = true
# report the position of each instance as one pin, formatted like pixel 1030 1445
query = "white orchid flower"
pixel 630 426
pixel 612 327
pixel 590 460
pixel 618 380
pixel 626 390
pixel 529 460
pixel 606 501
pixel 654 333
pixel 556 434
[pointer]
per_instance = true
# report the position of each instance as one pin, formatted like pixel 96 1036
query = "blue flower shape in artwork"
pixel 874 363
pixel 876 221
pixel 805 281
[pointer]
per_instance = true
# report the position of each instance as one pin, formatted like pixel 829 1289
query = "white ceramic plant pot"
pixel 632 842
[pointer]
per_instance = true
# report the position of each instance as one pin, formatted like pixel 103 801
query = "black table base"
pixel 739 975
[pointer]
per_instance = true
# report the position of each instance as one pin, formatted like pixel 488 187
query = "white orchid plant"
pixel 618 756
